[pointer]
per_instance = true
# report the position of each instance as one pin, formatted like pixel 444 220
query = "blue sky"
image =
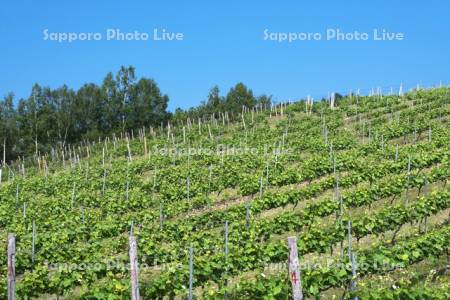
pixel 224 44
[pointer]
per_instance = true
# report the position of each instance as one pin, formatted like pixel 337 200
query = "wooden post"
pixel 24 212
pixel 17 192
pixel 33 242
pixel 336 179
pixel 103 158
pixel 396 152
pixel 247 214
pixel 353 281
pixel 145 146
pixel 409 165
pixel 129 150
pixel 104 182
pixel 341 206
pixel 294 272
pixel 209 178
pixel 349 229
pixel 191 272
pixel 425 193
pixel 408 174
pixel 134 271
pixel 188 184
pixel 73 194
pixel 128 185
pixel 331 151
pixel 161 217
pixel 82 215
pixel 11 266
pixel 425 186
pixel 226 256
pixel 260 187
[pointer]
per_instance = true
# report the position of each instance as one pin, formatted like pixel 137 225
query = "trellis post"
pixel 134 272
pixel 188 185
pixel 396 152
pixel 24 213
pixel 161 216
pixel 247 214
pixel 294 272
pixel 349 229
pixel 425 192
pixel 33 242
pixel 226 256
pixel 104 182
pixel 127 190
pixel 11 266
pixel 130 158
pixel 260 187
pixel 353 281
pixel 191 271
pixel 73 194
pixel 408 174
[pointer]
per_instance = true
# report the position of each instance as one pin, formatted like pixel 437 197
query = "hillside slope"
pixel 380 162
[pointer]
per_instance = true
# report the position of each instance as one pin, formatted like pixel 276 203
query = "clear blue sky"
pixel 224 44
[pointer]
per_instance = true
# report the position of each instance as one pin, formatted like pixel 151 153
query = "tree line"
pixel 59 117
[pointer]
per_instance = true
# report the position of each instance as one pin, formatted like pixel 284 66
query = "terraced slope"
pixel 379 162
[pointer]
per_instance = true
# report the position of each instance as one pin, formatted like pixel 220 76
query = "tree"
pixel 215 102
pixel 8 129
pixel 147 106
pixel 124 80
pixel 239 96
pixel 264 100
pixel 51 118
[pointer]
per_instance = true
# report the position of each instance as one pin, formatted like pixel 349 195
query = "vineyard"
pixel 361 182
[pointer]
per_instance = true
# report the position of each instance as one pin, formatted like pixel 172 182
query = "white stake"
pixel 226 255
pixel 73 193
pixel 129 150
pixel 294 272
pixel 161 217
pixel 104 182
pixel 188 185
pixel 128 185
pixel 353 281
pixel 247 214
pixel 24 212
pixel 11 266
pixel 260 187
pixel 33 242
pixel 191 271
pixel 349 229
pixel 134 271
pixel 396 152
